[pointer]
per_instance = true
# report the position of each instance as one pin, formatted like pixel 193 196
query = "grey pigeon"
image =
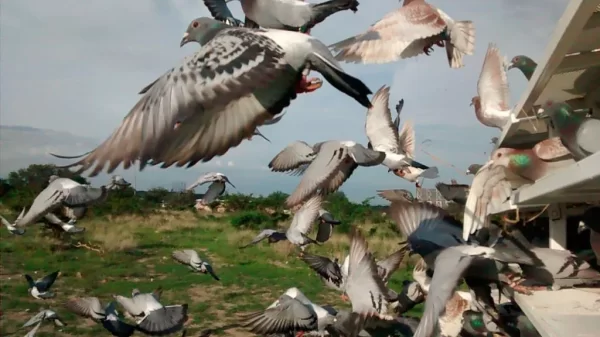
pixel 579 134
pixel 270 234
pixel 329 271
pixel 190 258
pixel 40 289
pixel 591 221
pixel 290 14
pixel 292 312
pixel 153 318
pixel 331 163
pixel 389 265
pixel 303 221
pixel 215 190
pixel 45 315
pixel 108 316
pixel 454 192
pixel 11 228
pixel 410 296
pixel 396 195
pixel 326 224
pixel 63 192
pixel 218 96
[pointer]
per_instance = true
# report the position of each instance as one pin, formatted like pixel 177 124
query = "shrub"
pixel 252 220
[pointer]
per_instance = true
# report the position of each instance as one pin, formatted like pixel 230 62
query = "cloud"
pixel 74 66
pixel 230 163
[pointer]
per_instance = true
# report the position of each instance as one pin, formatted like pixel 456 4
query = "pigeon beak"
pixel 185 39
pixel 471 104
pixel 510 66
pixel 541 114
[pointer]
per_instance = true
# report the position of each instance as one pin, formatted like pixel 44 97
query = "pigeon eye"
pixel 195 24
pixel 516 59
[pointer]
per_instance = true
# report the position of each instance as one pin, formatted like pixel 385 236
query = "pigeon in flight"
pixel 45 315
pixel 270 234
pixel 190 258
pixel 326 224
pixel 90 307
pixel 217 96
pixel 215 190
pixel 40 289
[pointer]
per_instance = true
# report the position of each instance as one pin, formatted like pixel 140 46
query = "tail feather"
pixel 345 83
pixel 462 41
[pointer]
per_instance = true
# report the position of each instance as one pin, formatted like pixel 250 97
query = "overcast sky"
pixel 76 66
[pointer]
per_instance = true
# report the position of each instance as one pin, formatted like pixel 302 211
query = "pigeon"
pixel 454 192
pixel 326 224
pixel 331 163
pixel 410 296
pixel 190 258
pixel 270 234
pixel 303 221
pixel 473 169
pixel 389 265
pixel 591 221
pixel 290 14
pixel 68 227
pixel 215 190
pixel 383 135
pixel 506 170
pixel 523 63
pixel 412 173
pixel 64 192
pixel 238 79
pixel 409 31
pixel 373 326
pixel 364 286
pixel 292 312
pixel 90 307
pixel 394 195
pixel 331 272
pixel 33 331
pixel 449 267
pixel 11 228
pixel 492 103
pixel 154 319
pixel 399 107
pixel 45 315
pixel 40 289
pixel 580 135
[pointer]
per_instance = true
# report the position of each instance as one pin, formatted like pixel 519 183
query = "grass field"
pixel 138 255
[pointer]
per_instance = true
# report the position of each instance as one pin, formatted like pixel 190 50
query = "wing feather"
pixel 379 126
pixel 293 156
pixel 306 216
pixel 492 86
pixel 406 139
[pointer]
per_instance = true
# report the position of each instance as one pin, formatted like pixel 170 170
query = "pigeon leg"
pixel 344 297
pixel 428 49
pixel 306 85
pixel 440 43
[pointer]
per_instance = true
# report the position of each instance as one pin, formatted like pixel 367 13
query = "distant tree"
pixel 156 195
pixel 275 200
pixel 27 183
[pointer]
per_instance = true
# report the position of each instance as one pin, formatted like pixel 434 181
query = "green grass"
pixel 138 255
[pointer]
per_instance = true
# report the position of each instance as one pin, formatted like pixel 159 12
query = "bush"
pixel 253 220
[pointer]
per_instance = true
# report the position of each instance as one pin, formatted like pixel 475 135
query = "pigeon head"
pixel 508 157
pixel 201 30
pixel 560 113
pixel 524 63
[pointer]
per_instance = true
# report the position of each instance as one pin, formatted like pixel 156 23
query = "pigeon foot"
pixel 440 43
pixel 311 85
pixel 428 49
pixel 344 297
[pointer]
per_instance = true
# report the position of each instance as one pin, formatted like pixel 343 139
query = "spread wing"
pixel 449 268
pixel 218 9
pixel 326 164
pixel 489 190
pixel 199 109
pixel 364 287
pixel 396 195
pixel 326 268
pixel 45 283
pixel 48 199
pixel 265 233
pixel 292 157
pixel 390 264
pixel 205 178
pixel 290 315
pixel 379 127
pixel 456 193
pixel 215 190
pixel 82 195
pixel 86 307
pixel 306 215
pixel 406 138
pixel 492 86
pixel 129 305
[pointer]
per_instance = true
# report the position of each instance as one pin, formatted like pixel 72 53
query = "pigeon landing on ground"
pixel 524 64
pixel 492 105
pixel 270 234
pixel 218 96
pixel 409 31
pixel 40 289
pixel 215 190
pixel 579 134
pixel 90 307
pixel 329 165
pixel 190 258
pixel 290 14
pixel 153 318
pixel 292 312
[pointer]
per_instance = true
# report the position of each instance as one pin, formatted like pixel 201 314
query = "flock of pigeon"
pixel 243 76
